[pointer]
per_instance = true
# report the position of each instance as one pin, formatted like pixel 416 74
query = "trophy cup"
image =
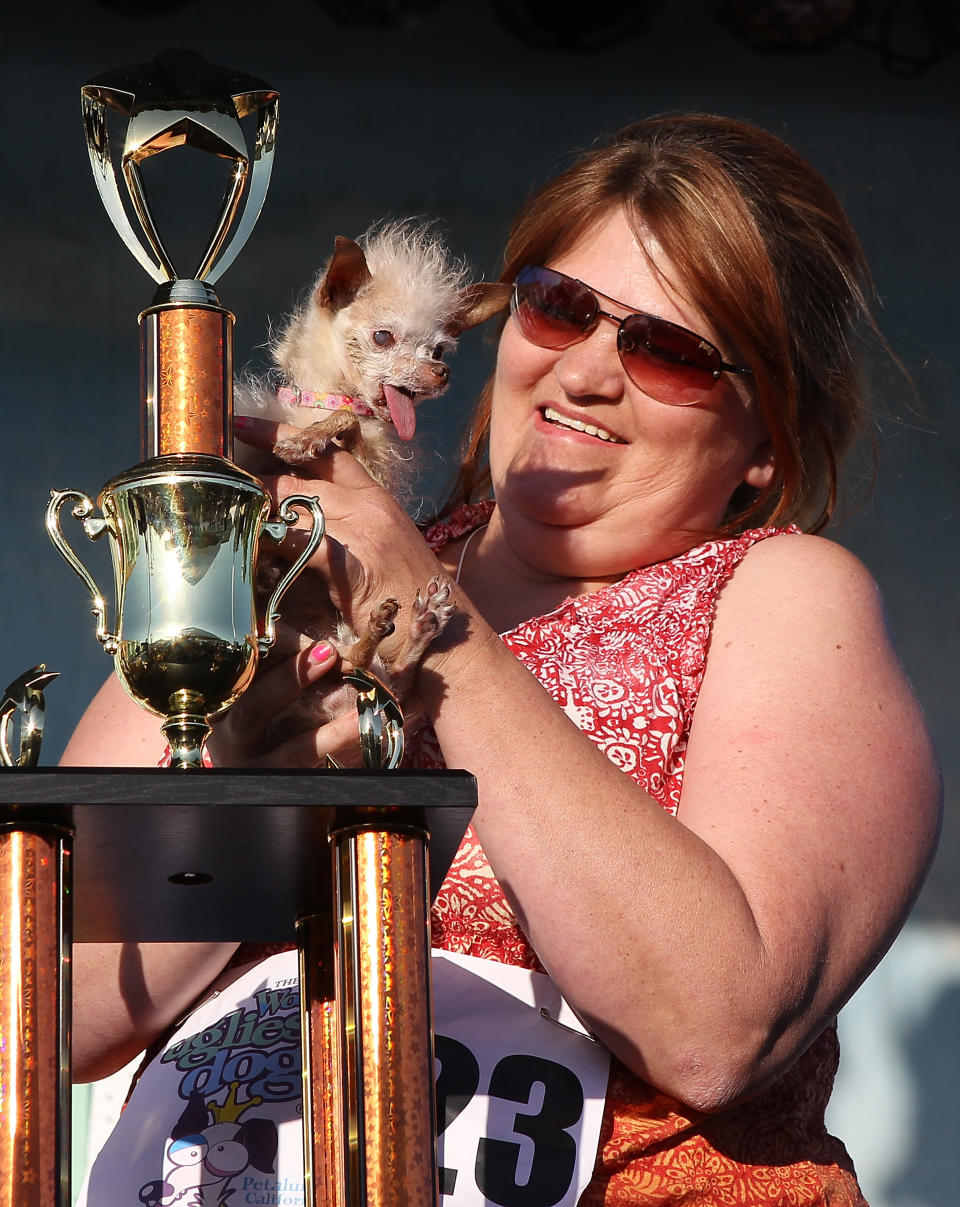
pixel 184 525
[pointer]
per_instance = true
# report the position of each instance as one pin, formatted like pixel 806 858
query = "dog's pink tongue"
pixel 401 410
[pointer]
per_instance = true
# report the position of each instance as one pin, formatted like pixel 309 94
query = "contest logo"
pixel 223 1147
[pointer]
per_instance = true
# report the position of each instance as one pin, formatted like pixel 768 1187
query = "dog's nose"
pixel 440 371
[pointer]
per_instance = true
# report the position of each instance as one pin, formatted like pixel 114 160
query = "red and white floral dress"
pixel 626 664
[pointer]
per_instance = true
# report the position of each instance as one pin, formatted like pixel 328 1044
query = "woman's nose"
pixel 592 367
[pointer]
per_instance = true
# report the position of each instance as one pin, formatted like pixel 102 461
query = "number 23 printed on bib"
pixel 519 1095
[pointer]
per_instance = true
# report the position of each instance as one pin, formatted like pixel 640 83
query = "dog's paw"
pixel 429 615
pixel 299 448
pixel 339 427
pixel 431 612
pixel 382 619
pixel 381 624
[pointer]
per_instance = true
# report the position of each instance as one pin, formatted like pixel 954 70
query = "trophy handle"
pixel 26 695
pixel 380 717
pixel 94 529
pixel 278 529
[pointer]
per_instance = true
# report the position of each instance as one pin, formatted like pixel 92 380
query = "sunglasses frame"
pixel 585 332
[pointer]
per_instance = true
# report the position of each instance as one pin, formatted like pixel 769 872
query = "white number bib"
pixel 216 1116
pixel 520 1095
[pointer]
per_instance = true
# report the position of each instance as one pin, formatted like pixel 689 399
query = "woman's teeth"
pixel 575 425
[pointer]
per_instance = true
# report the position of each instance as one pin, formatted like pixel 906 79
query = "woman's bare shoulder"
pixel 805 617
pixel 806 565
pixel 802 669
pixel 799 595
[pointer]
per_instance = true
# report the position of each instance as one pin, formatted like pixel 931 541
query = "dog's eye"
pixel 438 352
pixel 383 339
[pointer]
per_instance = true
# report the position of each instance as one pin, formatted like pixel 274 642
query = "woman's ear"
pixel 759 472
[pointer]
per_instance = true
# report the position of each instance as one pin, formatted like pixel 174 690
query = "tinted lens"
pixel 553 311
pixel 666 361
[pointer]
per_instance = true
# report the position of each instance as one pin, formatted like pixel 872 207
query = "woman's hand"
pixel 248 734
pixel 372 549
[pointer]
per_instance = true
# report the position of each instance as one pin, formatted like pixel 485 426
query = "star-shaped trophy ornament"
pixel 181 100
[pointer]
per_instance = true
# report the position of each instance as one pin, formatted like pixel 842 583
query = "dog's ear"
pixel 480 302
pixel 194 1118
pixel 344 277
pixel 260 1138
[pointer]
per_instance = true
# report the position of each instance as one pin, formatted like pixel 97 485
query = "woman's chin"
pixel 554 496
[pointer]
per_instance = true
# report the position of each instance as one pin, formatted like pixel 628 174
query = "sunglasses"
pixel 665 360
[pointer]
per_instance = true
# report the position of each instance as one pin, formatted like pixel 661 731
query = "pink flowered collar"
pixel 291 396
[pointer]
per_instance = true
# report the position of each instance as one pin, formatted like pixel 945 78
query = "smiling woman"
pixel 707 794
pixel 662 476
pixel 759 239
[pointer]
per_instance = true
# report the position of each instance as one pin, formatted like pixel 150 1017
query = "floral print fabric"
pixel 626 664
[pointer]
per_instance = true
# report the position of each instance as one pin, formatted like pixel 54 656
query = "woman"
pixel 711 805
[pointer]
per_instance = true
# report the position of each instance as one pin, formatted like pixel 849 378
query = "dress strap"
pixel 463 551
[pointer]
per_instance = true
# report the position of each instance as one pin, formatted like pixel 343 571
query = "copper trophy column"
pixel 35 931
pixel 386 1037
pixel 324 1115
pixel 369 1107
pixel 34 1080
pixel 187 375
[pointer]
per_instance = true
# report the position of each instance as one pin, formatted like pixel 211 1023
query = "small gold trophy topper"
pixel 185 523
pixel 24 696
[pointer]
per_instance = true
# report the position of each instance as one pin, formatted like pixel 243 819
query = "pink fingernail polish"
pixel 241 422
pixel 321 652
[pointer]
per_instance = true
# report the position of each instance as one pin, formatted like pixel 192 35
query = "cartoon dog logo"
pixel 208 1147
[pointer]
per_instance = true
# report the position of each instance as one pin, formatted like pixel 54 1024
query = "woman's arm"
pixel 708 951
pixel 126 994
pixel 114 732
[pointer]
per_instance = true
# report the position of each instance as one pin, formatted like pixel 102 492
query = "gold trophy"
pixel 185 524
